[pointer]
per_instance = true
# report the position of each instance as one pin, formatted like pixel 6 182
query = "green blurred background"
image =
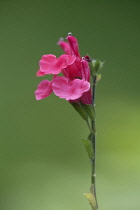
pixel 43 163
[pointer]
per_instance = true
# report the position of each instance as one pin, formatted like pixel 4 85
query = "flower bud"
pixel 96 65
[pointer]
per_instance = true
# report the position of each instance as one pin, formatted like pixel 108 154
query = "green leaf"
pixel 91 199
pixel 90 110
pixel 80 110
pixel 89 148
pixel 90 136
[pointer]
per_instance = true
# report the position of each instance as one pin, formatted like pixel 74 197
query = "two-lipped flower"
pixel 74 85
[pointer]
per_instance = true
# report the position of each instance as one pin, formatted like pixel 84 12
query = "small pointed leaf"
pixel 80 110
pixel 90 136
pixel 91 200
pixel 89 148
pixel 90 110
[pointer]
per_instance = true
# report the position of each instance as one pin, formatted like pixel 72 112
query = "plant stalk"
pixel 93 140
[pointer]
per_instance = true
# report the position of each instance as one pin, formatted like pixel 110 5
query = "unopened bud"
pixel 87 58
pixel 95 66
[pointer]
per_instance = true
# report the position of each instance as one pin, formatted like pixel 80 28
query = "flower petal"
pixel 65 46
pixel 49 58
pixel 44 89
pixel 74 71
pixel 85 70
pixel 69 90
pixel 86 98
pixel 60 86
pixel 39 73
pixel 74 45
pixel 76 89
pixel 49 64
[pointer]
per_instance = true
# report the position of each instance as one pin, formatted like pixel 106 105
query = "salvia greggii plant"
pixel 77 86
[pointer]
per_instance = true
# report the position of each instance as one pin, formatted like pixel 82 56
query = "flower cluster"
pixel 74 85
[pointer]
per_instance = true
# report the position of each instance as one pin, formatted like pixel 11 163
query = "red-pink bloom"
pixel 49 64
pixel 75 84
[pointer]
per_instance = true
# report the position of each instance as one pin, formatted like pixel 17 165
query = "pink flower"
pixel 49 64
pixel 70 90
pixel 74 85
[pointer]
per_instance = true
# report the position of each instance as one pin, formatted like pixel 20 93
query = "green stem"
pixel 93 140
